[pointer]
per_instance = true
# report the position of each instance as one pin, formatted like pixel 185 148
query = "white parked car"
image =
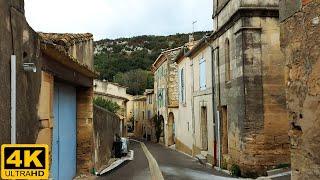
pixel 125 143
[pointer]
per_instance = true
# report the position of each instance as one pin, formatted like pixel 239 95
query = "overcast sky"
pixel 119 18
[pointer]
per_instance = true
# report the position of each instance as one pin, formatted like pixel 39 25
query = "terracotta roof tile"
pixel 62 42
pixel 64 39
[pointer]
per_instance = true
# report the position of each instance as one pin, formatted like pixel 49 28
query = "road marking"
pixel 153 165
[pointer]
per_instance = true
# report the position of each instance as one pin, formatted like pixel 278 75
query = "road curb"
pixel 155 171
pixel 117 163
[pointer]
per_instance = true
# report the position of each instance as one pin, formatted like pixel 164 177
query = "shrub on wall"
pixel 106 104
pixel 235 170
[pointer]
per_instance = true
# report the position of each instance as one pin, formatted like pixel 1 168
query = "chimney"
pixel 191 38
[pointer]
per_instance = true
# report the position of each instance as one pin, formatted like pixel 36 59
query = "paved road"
pixel 138 169
pixel 173 165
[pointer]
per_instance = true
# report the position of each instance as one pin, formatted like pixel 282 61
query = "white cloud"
pixel 119 18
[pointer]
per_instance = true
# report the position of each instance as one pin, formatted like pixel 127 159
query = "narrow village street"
pixel 173 165
pixel 160 90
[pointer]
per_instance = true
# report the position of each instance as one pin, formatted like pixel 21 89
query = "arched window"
pixel 227 61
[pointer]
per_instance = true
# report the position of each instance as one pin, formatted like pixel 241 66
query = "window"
pixel 202 74
pixel 227 61
pixel 161 98
pixel 182 86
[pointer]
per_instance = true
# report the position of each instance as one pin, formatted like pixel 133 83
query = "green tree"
pixel 114 63
pixel 158 122
pixel 136 80
pixel 106 104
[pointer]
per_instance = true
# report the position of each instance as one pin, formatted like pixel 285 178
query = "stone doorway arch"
pixel 171 129
pixel 159 128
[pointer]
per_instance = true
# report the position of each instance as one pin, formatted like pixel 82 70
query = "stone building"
pixel 65 105
pixel 166 91
pixel 116 93
pixel 249 81
pixel 139 115
pixel 17 38
pixel 148 125
pixel 185 124
pixel 247 118
pixel 195 123
pixel 130 112
pixel 300 42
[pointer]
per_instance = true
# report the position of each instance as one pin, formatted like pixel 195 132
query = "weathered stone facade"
pixel 18 38
pixel 116 93
pixel 250 86
pixel 250 122
pixel 149 125
pixel 60 65
pixel 139 115
pixel 166 91
pixel 300 42
pixel 106 125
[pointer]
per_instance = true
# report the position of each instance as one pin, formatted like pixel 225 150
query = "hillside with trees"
pixel 127 61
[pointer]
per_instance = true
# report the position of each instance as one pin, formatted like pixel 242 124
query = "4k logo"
pixel 24 161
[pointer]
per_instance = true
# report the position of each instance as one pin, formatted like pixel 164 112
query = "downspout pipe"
pixel 13 98
pixel 216 123
pixel 192 106
pixel 13 77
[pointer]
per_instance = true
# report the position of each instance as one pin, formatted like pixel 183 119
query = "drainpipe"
pixel 13 63
pixel 13 99
pixel 216 122
pixel 192 105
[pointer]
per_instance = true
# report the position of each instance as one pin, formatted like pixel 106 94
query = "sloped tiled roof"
pixel 65 39
pixel 160 60
pixel 60 43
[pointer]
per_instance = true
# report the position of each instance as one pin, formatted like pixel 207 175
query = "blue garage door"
pixel 64 133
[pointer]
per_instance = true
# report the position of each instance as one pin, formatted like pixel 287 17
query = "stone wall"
pixel 85 129
pixel 106 125
pixel 26 47
pixel 83 52
pixel 254 98
pixel 139 113
pixel 266 123
pixel 300 43
pixel 45 110
pixel 172 78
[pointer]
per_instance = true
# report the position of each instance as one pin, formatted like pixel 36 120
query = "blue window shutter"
pixel 183 86
pixel 180 96
pixel 202 74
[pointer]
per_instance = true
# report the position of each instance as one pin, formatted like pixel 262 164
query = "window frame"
pixel 182 86
pixel 202 74
pixel 228 75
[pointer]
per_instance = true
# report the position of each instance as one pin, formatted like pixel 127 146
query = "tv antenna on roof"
pixel 193 24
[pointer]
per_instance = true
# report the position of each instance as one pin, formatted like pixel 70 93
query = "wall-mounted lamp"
pixel 30 67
